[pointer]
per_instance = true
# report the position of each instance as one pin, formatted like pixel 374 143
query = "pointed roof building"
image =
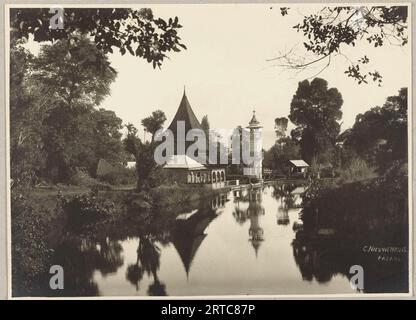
pixel 186 114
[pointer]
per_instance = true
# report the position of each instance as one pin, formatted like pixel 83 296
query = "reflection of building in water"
pixel 219 201
pixel 288 200
pixel 282 216
pixel 252 213
pixel 188 235
pixel 296 195
pixel 290 197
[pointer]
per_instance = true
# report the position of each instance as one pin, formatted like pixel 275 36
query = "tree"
pixel 380 135
pixel 154 122
pixel 55 126
pixel 316 110
pixel 72 78
pixel 205 124
pixel 72 74
pixel 278 156
pixel 280 126
pixel 26 147
pixel 143 152
pixel 331 29
pixel 79 140
pixel 106 126
pixel 135 31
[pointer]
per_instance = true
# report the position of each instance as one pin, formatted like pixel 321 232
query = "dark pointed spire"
pixel 186 114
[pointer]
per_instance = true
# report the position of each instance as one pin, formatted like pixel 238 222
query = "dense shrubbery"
pixel 356 171
pixel 30 252
pixel 87 208
pixel 121 176
pixel 83 179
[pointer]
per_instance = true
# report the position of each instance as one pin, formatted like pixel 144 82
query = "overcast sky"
pixel 226 73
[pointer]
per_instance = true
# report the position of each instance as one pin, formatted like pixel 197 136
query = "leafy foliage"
pixel 80 140
pixel 316 110
pixel 205 124
pixel 30 250
pixel 55 126
pixel 154 122
pixel 280 126
pixel 119 176
pixel 380 135
pixel 87 208
pixel 148 172
pixel 26 153
pixel 72 73
pixel 358 170
pixel 135 31
pixel 278 156
pixel 332 28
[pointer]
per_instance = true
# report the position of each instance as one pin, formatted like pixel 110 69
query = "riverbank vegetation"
pixel 370 194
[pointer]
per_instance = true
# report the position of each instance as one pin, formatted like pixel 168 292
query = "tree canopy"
pixel 138 32
pixel 380 134
pixel 154 122
pixel 143 152
pixel 329 30
pixel 280 126
pixel 278 156
pixel 73 73
pixel 316 110
pixel 205 124
pixel 56 126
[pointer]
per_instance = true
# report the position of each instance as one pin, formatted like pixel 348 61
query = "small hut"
pixel 298 168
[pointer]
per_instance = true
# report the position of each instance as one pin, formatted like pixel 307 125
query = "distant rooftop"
pixel 182 161
pixel 299 163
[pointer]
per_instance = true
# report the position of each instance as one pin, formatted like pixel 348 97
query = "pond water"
pixel 236 243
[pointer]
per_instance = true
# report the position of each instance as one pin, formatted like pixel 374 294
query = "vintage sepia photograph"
pixel 209 150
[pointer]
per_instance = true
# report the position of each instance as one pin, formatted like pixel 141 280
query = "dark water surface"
pixel 236 243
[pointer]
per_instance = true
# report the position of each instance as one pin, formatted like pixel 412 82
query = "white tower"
pixel 255 169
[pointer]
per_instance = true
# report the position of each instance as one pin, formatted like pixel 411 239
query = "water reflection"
pixel 80 258
pixel 253 212
pixel 148 261
pixel 323 260
pixel 189 233
pixel 158 255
